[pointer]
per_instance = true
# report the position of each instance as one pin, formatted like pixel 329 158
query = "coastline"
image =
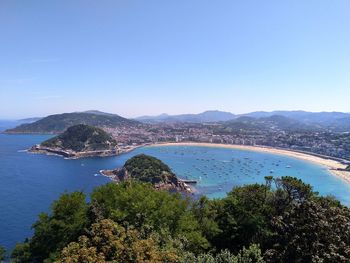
pixel 333 166
pixel 121 174
pixel 68 154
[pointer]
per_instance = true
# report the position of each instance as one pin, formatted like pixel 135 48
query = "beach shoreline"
pixel 333 166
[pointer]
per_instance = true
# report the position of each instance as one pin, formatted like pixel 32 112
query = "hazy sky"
pixel 176 56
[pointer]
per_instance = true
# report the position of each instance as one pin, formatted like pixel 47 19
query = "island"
pixel 148 169
pixel 80 141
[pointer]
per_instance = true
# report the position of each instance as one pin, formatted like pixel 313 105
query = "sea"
pixel 30 182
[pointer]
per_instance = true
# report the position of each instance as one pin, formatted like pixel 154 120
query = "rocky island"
pixel 149 169
pixel 79 141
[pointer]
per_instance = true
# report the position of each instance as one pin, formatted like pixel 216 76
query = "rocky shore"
pixel 69 154
pixel 177 185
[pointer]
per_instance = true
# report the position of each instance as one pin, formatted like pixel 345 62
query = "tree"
pixel 140 205
pixel 110 242
pixel 54 231
pixel 311 231
pixel 21 253
pixel 295 189
pixel 243 217
pixel 206 212
pixel 246 255
pixel 2 253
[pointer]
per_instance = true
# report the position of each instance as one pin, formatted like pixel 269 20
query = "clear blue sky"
pixel 148 57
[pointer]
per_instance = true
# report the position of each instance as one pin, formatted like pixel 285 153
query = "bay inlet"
pixel 30 182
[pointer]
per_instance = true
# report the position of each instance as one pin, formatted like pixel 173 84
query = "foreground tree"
pixel 21 253
pixel 54 231
pixel 2 253
pixel 312 231
pixel 110 242
pixel 246 255
pixel 140 206
pixel 243 218
pixel 133 222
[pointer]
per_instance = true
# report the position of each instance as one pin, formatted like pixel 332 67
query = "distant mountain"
pixel 9 124
pixel 80 138
pixel 157 118
pixel 274 122
pixel 29 120
pixel 60 122
pixel 97 112
pixel 340 125
pixel 323 118
pixel 207 116
pixel 337 121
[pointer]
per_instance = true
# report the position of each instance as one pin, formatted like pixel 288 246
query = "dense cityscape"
pixel 329 143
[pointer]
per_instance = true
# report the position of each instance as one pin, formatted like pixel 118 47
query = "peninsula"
pixel 79 141
pixel 148 169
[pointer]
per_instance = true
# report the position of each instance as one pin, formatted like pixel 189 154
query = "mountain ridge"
pixel 58 123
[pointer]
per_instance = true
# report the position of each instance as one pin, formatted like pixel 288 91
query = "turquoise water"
pixel 30 182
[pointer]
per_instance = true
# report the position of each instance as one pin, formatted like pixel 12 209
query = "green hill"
pixel 275 122
pixel 80 138
pixel 60 122
pixel 146 168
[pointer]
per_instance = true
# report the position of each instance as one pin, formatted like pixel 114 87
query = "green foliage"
pixel 133 222
pixel 52 232
pixel 312 231
pixel 206 212
pixel 243 218
pixel 81 138
pixel 2 253
pixel 60 122
pixel 295 188
pixel 146 168
pixel 246 255
pixel 110 242
pixel 21 253
pixel 141 206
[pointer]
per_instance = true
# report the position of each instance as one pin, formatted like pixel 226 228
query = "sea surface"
pixel 30 182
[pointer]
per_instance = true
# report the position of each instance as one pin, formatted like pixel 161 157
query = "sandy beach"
pixel 331 165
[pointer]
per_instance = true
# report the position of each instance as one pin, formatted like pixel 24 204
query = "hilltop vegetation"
pixel 133 222
pixel 60 122
pixel 80 138
pixel 149 169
